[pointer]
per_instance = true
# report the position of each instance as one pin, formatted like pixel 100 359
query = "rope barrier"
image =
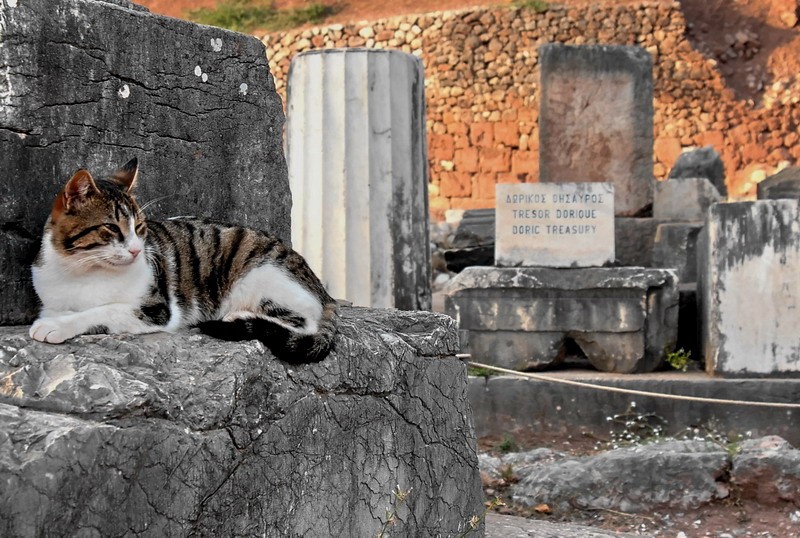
pixel 541 377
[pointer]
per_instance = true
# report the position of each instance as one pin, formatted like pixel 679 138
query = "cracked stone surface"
pixel 90 84
pixel 176 435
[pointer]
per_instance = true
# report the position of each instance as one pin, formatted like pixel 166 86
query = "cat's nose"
pixel 134 251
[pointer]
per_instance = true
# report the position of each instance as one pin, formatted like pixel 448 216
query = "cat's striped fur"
pixel 103 268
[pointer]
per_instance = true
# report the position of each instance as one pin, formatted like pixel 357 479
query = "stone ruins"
pixel 178 435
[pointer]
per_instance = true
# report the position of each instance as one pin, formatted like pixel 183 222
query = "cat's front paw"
pixel 50 330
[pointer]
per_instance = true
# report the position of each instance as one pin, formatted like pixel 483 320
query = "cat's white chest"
pixel 63 291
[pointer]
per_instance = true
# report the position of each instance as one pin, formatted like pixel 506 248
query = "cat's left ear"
pixel 126 176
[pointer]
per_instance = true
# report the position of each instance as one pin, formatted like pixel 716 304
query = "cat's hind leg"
pixel 269 293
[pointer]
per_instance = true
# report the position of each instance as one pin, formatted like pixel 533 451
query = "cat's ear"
pixel 78 188
pixel 126 176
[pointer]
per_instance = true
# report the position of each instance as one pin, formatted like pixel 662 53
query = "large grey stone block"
pixel 676 248
pixel 91 84
pixel 684 199
pixel 749 288
pixel 596 120
pixel 784 184
pixel 358 169
pixel 622 318
pixel 184 435
pixel 702 162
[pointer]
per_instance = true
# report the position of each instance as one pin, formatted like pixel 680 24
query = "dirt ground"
pixel 729 518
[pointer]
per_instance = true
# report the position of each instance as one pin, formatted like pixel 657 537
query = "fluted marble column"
pixel 358 171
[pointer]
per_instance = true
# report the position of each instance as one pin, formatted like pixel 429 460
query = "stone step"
pixel 503 404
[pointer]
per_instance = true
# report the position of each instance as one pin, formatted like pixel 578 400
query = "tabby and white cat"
pixel 103 268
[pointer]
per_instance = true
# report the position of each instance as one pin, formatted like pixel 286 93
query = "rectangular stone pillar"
pixel 749 288
pixel 87 84
pixel 596 120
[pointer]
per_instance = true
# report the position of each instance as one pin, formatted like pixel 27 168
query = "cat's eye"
pixel 141 228
pixel 114 229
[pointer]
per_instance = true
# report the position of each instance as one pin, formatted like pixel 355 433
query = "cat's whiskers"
pixel 150 256
pixel 151 202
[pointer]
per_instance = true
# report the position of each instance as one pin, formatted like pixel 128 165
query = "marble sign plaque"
pixel 555 224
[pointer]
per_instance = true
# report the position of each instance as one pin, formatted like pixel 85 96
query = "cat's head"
pixel 98 223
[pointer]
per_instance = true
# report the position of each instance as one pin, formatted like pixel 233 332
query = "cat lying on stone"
pixel 103 268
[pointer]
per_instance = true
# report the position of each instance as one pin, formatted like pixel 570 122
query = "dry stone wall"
pixel 482 78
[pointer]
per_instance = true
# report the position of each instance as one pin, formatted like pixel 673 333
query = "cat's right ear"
pixel 78 189
pixel 126 176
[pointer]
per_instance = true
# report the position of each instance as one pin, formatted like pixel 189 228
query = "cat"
pixel 103 268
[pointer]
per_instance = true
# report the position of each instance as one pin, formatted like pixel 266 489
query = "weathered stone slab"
pixel 684 199
pixel 784 184
pixel 91 84
pixel 596 120
pixel 749 288
pixel 554 225
pixel 622 318
pixel 676 248
pixel 682 474
pixel 358 168
pixel 179 435
pixel 703 162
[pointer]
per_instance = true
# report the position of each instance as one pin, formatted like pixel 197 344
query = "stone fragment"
pixel 784 184
pixel 178 435
pixel 749 288
pixel 684 199
pixel 675 474
pixel 703 162
pixel 355 142
pixel 768 471
pixel 676 248
pixel 596 120
pixel 79 95
pixel 520 318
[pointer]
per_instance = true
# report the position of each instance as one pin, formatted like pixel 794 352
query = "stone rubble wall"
pixel 482 78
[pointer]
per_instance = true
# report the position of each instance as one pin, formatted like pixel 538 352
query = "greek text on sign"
pixel 555 224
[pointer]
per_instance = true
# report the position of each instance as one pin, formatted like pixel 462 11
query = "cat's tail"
pixel 286 344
